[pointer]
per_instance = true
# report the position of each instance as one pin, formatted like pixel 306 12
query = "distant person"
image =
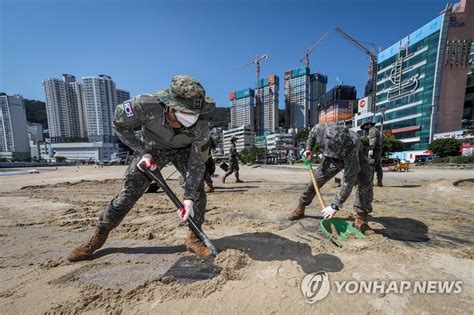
pixel 342 151
pixel 234 158
pixel 174 130
pixel 375 151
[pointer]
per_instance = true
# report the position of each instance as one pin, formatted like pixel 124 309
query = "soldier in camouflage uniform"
pixel 342 151
pixel 234 158
pixel 375 151
pixel 174 129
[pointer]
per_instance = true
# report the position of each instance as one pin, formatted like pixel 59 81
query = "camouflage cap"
pixel 370 122
pixel 187 95
pixel 337 142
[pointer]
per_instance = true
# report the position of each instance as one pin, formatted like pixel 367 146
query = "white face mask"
pixel 187 120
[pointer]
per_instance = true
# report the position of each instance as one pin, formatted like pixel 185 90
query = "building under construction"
pixel 242 111
pixel 337 104
pixel 302 92
pixel 317 89
pixel 266 117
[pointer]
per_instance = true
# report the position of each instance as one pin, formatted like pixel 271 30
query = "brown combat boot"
pixel 297 213
pixel 194 245
pixel 379 183
pixel 85 250
pixel 237 179
pixel 362 225
pixel 210 188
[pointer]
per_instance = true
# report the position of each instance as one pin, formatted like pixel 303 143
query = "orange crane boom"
pixel 372 65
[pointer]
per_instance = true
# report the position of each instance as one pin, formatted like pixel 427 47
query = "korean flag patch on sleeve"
pixel 127 107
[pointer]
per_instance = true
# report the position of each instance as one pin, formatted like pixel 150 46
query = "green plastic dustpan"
pixel 339 226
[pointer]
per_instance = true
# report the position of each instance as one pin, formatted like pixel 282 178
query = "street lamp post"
pixel 382 118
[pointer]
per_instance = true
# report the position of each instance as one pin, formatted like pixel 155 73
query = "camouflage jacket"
pixel 352 166
pixel 234 156
pixel 146 113
pixel 375 140
pixel 351 162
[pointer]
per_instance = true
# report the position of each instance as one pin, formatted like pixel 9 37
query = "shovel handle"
pixel 158 178
pixel 309 165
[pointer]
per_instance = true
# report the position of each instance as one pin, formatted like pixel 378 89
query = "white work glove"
pixel 149 163
pixel 187 210
pixel 308 155
pixel 328 212
pixel 371 153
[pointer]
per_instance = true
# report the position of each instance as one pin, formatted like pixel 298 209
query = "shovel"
pixel 338 224
pixel 158 178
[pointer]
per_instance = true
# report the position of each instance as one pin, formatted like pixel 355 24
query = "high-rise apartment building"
pixel 122 96
pixel 13 127
pixel 302 93
pixel 100 97
pixel 266 105
pixel 242 111
pixel 297 97
pixel 65 109
pixel 317 88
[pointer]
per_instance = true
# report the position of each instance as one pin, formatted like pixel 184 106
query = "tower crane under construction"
pixel 258 110
pixel 372 64
pixel 305 59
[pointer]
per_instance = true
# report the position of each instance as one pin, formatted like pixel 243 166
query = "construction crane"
pixel 372 65
pixel 305 59
pixel 256 61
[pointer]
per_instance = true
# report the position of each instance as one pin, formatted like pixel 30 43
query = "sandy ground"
pixel 424 226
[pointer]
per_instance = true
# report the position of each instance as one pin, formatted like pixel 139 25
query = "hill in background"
pixel 36 112
pixel 220 117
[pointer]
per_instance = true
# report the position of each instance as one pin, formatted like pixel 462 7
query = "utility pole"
pixel 382 118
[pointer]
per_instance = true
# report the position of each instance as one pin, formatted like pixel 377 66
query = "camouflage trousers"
pixel 207 177
pixel 136 184
pixel 364 194
pixel 377 168
pixel 233 168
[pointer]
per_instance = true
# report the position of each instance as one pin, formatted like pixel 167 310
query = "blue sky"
pixel 142 44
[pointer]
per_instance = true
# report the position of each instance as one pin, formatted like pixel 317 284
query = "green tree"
pixel 390 145
pixel 252 155
pixel 302 135
pixel 60 159
pixel 445 147
pixel 220 117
